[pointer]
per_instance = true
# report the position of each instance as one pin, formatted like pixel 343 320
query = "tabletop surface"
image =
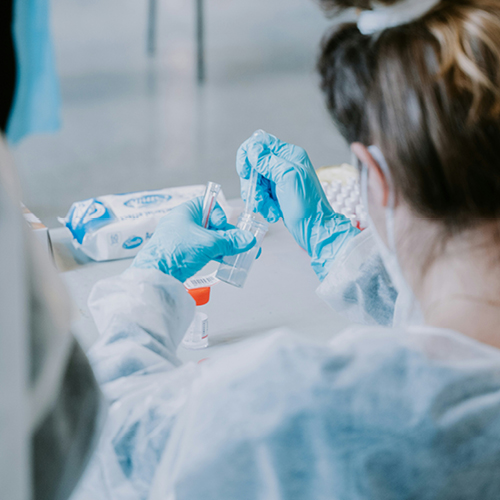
pixel 280 292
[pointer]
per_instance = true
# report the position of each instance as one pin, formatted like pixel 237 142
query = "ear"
pixel 374 170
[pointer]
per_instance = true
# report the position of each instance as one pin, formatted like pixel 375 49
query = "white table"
pixel 280 291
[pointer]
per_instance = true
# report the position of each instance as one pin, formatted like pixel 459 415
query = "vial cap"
pixel 200 295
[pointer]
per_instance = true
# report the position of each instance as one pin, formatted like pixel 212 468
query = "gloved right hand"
pixel 181 247
pixel 288 187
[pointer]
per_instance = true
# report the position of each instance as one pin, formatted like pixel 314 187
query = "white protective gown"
pixel 50 403
pixel 380 413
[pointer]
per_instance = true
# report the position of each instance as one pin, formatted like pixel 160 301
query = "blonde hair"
pixel 468 34
pixel 428 93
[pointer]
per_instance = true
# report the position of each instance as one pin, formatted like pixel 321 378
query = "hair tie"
pixel 382 17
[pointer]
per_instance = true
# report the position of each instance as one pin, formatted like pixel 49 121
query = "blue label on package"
pixel 148 200
pixel 87 216
pixel 133 242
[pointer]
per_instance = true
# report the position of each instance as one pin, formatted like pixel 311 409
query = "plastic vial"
pixel 234 268
pixel 349 204
pixel 352 218
pixel 334 190
pixel 340 199
pixel 209 200
pixel 197 335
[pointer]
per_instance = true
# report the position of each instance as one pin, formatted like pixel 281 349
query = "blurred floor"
pixel 131 122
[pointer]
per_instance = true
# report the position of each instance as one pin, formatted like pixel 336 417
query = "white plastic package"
pixel 117 226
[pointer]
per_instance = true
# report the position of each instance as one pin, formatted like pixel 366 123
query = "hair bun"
pixel 356 4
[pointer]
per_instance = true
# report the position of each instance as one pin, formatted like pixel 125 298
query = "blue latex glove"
pixel 288 187
pixel 181 247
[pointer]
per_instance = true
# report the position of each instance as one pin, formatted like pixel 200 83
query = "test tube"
pixel 209 201
pixel 252 189
pixel 234 268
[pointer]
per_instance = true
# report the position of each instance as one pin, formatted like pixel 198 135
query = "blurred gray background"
pixel 132 122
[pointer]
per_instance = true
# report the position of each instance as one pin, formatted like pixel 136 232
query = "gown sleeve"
pixel 142 316
pixel 358 285
pixel 379 413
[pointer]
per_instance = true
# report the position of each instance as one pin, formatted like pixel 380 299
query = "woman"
pixel 407 407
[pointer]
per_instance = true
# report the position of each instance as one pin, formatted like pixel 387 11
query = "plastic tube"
pixel 252 190
pixel 234 269
pixel 209 201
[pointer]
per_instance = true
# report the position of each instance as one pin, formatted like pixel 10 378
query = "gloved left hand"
pixel 181 247
pixel 288 187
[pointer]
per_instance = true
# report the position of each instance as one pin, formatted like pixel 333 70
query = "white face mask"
pixel 407 311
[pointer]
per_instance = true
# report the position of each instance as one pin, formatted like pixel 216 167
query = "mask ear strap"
pixel 407 310
pixel 389 222
pixel 391 204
